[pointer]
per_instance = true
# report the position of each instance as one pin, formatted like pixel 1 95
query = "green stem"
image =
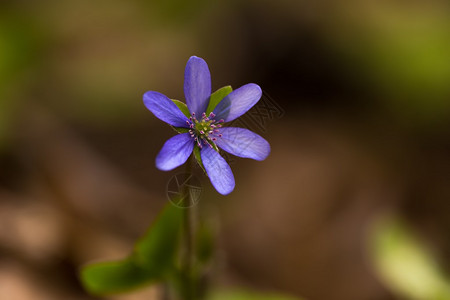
pixel 188 259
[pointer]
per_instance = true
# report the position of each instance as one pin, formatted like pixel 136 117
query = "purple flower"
pixel 201 125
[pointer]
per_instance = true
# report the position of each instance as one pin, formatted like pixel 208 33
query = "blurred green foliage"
pixel 244 294
pixel 157 250
pixel 176 11
pixel 155 259
pixel 114 277
pixel 405 264
pixel 404 52
pixel 19 50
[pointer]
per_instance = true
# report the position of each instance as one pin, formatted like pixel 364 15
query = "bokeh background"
pixel 363 88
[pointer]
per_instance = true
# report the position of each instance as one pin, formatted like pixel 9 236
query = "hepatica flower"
pixel 200 123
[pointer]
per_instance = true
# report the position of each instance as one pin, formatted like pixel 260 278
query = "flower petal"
pixel 164 109
pixel 197 85
pixel 175 152
pixel 218 170
pixel 243 143
pixel 238 102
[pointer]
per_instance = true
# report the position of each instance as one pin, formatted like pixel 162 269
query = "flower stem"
pixel 188 258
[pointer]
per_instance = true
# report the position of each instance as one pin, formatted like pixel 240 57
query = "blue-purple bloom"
pixel 206 131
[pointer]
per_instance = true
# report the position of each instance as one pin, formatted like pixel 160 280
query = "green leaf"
pixel 156 250
pixel 180 129
pixel 183 107
pixel 114 277
pixel 198 158
pixel 405 264
pixel 217 96
pixel 153 259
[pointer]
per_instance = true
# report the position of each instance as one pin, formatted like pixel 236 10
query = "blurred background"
pixel 360 134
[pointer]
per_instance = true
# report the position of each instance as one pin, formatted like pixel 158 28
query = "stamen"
pixel 206 130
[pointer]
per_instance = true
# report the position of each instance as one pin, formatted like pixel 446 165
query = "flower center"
pixel 205 131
